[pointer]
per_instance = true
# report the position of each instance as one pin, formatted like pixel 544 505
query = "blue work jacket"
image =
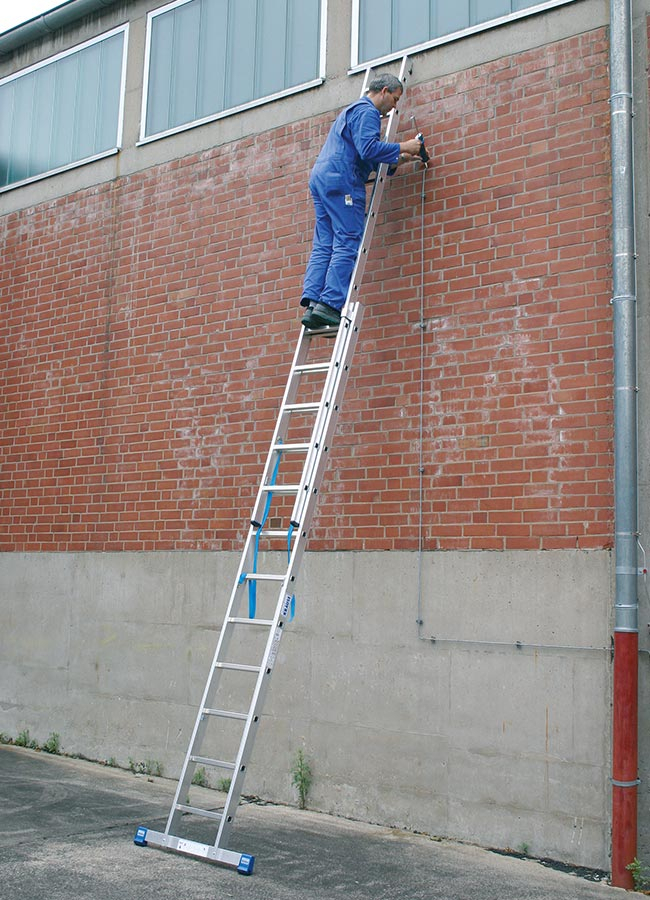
pixel 353 147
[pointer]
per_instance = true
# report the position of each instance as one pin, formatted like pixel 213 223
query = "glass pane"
pixel 272 44
pixel 187 21
pixel 42 120
pixel 448 17
pixel 304 41
pixel 87 96
pixel 6 115
pixel 109 97
pixel 160 68
pixel 485 10
pixel 375 28
pixel 65 101
pixel 241 52
pixel 212 57
pixel 21 127
pixel 410 23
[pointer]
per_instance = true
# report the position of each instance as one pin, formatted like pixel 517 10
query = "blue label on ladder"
pixel 289 604
pixel 141 836
pixel 246 864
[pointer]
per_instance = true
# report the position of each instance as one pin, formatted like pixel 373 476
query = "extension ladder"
pixel 248 643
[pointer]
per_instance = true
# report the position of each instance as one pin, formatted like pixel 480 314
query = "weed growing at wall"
pixel 52 744
pixel 148 767
pixel 301 777
pixel 640 876
pixel 24 740
pixel 201 778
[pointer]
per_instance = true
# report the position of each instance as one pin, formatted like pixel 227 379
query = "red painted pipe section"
pixel 625 757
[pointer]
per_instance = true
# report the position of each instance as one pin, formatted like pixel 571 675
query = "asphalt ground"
pixel 67 828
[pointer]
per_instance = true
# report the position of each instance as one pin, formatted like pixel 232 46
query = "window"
pixel 206 58
pixel 385 27
pixel 64 111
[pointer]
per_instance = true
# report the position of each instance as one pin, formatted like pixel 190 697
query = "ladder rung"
pixel 240 620
pixel 301 407
pixel 224 713
pixel 237 667
pixel 206 813
pixel 271 533
pixel 304 368
pixel 328 330
pixel 215 763
pixel 261 576
pixel 292 448
pixel 281 488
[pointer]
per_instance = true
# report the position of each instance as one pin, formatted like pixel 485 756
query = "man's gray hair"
pixel 380 82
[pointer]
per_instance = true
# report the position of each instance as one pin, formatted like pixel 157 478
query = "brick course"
pixel 140 388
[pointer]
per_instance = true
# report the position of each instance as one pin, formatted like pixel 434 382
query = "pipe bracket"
pixel 625 784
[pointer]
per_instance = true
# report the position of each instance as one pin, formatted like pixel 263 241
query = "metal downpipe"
pixel 625 687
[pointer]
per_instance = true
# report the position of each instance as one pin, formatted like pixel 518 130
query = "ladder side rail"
pixel 186 774
pixel 377 194
pixel 338 366
pixel 353 289
pixel 306 503
pixel 337 356
pixel 364 247
pixel 324 427
pixel 211 686
pixel 187 770
pixel 282 608
pixel 254 715
pixel 227 630
pixel 281 424
pixel 340 337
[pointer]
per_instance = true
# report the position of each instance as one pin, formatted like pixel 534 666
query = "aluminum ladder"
pixel 248 645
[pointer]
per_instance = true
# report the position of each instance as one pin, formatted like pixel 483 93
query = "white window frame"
pixel 231 111
pixel 358 66
pixel 120 120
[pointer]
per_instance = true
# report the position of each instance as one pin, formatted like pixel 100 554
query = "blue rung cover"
pixel 141 836
pixel 246 864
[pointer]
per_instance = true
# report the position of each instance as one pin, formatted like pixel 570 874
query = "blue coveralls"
pixel 337 183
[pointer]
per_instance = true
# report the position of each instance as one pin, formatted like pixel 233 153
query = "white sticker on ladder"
pixel 274 647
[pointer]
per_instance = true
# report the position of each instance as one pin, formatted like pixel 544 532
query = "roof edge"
pixel 48 23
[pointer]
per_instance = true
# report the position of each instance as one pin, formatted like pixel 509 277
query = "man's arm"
pixel 364 126
pixel 365 129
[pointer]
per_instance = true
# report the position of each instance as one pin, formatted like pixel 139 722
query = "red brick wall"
pixel 148 325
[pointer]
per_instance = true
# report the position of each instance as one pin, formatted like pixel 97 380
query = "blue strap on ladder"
pixel 252 584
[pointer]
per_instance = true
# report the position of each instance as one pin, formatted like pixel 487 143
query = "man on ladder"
pixel 353 149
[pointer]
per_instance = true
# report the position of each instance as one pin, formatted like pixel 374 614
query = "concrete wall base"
pixel 488 722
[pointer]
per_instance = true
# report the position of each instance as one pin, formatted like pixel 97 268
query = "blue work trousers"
pixel 340 206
